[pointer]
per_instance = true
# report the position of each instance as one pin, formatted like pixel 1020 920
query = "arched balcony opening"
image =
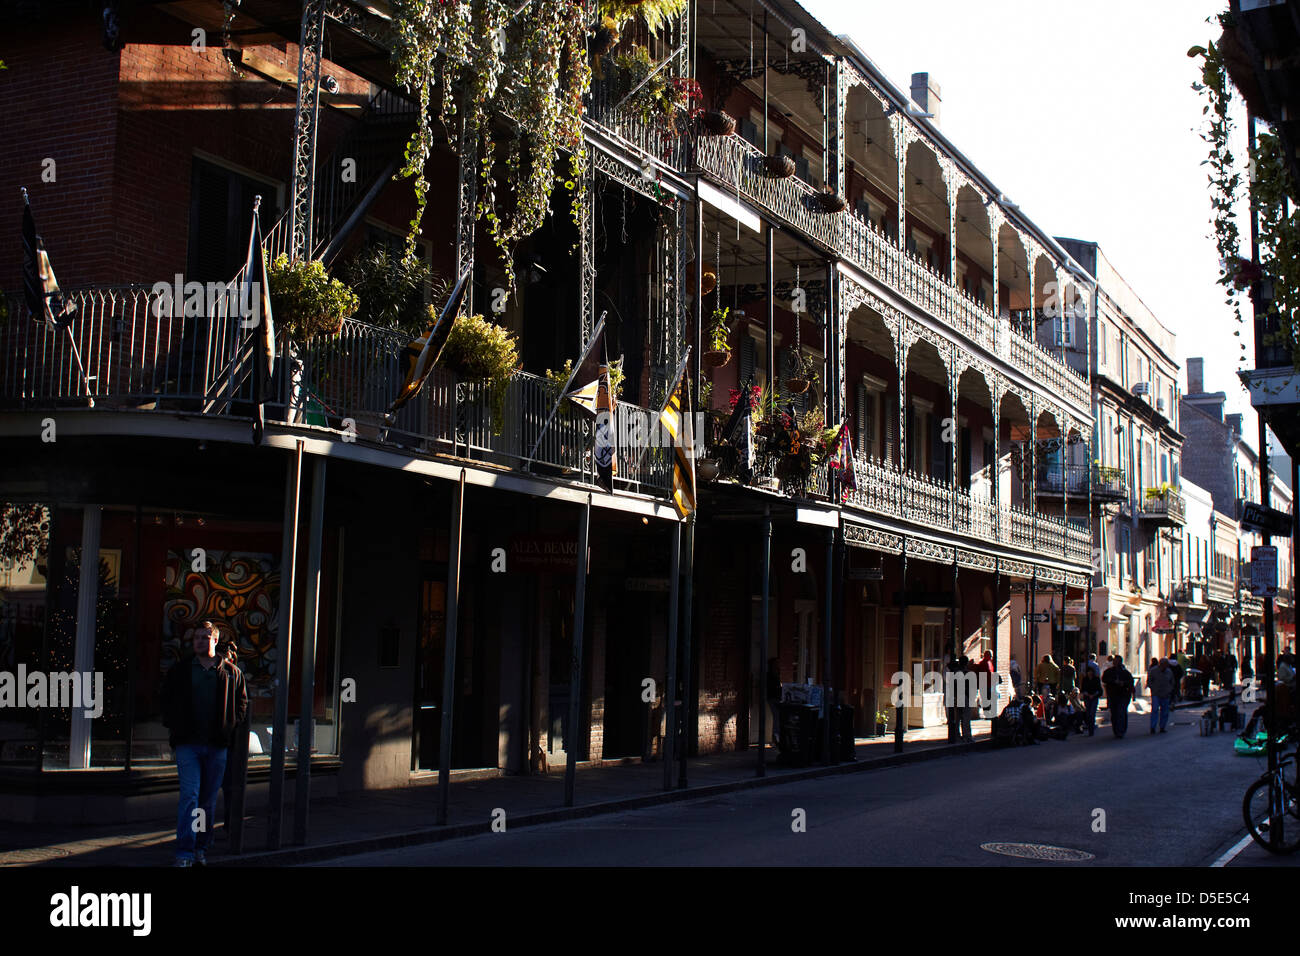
pixel 1012 471
pixel 975 447
pixel 872 387
pixel 974 247
pixel 1048 301
pixel 871 166
pixel 926 202
pixel 1015 296
pixel 927 415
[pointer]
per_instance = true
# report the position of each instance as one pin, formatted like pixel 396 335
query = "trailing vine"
pixel 1271 189
pixel 471 61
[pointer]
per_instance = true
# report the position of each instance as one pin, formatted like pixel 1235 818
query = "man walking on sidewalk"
pixel 1090 689
pixel 204 702
pixel 1119 691
pixel 1160 682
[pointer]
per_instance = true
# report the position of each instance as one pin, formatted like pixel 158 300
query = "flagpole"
pixel 677 378
pixel 600 327
pixel 76 353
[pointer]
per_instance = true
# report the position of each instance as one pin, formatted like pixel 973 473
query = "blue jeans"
pixel 200 769
pixel 1159 708
pixel 1092 714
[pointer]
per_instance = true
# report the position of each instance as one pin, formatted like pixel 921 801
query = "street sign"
pixel 1038 618
pixel 1263 571
pixel 1256 517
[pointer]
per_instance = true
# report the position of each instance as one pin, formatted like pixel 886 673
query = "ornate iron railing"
pixel 137 354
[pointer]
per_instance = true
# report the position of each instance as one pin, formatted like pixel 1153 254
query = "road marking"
pixel 1232 854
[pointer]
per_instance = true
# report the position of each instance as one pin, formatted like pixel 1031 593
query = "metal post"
pixel 284 648
pixel 83 654
pixel 575 664
pixel 688 696
pixel 952 609
pixel 1031 632
pixel 827 709
pixel 1270 639
pixel 307 676
pixel 1090 639
pixel 670 689
pixel 763 643
pixel 900 711
pixel 302 188
pixel 696 372
pixel 772 377
pixel 447 724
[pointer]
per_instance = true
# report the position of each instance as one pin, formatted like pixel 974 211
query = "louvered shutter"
pixel 746 370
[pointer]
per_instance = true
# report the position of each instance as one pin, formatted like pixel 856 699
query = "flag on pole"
pixel 422 354
pixel 583 388
pixel 841 457
pixel 675 419
pixel 255 307
pixel 41 289
pixel 605 451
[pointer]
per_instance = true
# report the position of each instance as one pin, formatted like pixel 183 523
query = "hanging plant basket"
pixel 707 469
pixel 604 36
pixel 709 280
pixel 797 386
pixel 716 123
pixel 829 202
pixel 716 359
pixel 776 167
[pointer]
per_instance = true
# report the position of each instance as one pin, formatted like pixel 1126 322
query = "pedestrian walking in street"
pixel 1090 692
pixel 988 679
pixel 1016 678
pixel 1160 682
pixel 1118 683
pixel 1093 666
pixel 1046 676
pixel 1068 675
pixel 954 686
pixel 966 706
pixel 1177 673
pixel 204 702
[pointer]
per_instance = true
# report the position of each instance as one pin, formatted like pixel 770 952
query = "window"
pixel 221 213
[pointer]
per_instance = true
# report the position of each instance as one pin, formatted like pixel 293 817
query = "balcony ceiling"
pixel 278 21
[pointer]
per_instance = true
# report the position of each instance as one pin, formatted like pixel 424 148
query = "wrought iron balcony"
pixel 1162 507
pixel 1107 483
pixel 138 356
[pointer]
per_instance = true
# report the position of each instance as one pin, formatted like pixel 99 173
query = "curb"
pixel 328 851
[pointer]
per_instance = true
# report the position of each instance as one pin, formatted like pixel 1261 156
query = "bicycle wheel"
pixel 1273 819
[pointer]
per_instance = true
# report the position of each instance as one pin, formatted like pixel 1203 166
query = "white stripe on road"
pixel 1232 854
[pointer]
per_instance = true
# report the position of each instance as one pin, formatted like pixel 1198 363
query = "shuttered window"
pixel 221 211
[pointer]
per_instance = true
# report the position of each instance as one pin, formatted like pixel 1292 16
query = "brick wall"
pixel 722 636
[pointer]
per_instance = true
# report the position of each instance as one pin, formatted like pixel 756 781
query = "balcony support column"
pixel 900 711
pixel 771 307
pixel 995 466
pixel 301 194
pixel 837 133
pixel 696 372
pixel 954 382
pixel 900 158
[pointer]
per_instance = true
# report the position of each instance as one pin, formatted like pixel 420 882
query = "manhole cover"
pixel 1037 851
pixel 37 854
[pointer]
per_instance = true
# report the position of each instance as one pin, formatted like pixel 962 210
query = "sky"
pixel 1083 114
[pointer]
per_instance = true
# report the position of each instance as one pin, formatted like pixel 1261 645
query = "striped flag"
pixel 422 354
pixel 255 306
pixel 41 289
pixel 605 451
pixel 675 419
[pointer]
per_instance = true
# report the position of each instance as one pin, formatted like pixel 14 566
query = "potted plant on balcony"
pixel 305 301
pixel 481 352
pixel 719 353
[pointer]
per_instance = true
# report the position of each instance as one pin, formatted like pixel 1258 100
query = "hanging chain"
pixel 717 265
pixel 798 351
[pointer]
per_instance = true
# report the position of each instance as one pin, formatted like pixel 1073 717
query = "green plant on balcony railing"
pixel 556 380
pixel 479 351
pixel 391 289
pixel 305 301
pixel 1160 492
pixel 643 88
pixel 1108 474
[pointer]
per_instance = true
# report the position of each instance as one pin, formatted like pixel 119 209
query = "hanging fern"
pixel 481 59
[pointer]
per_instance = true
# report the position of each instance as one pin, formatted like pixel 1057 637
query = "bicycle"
pixel 1271 807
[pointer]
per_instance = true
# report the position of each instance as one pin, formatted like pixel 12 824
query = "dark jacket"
pixel 1090 683
pixel 1118 682
pixel 231 706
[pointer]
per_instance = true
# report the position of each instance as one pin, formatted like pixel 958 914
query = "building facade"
pixel 394 575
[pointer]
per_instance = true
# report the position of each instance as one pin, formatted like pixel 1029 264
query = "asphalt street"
pixel 1171 799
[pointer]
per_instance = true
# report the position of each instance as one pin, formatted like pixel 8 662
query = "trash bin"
pixel 799 726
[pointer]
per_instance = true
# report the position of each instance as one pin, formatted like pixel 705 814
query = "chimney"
pixel 1195 376
pixel 1234 422
pixel 925 94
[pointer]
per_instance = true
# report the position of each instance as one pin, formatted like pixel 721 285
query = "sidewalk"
pixel 386 819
